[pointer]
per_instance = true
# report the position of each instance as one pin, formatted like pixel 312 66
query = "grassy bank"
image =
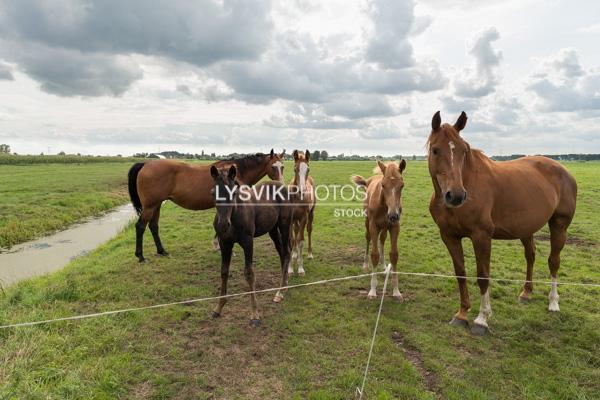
pixel 313 345
pixel 40 198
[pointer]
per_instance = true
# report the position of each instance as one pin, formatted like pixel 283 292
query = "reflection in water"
pixel 54 252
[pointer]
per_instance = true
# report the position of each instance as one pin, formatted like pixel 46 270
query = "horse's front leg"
pixel 284 234
pixel 394 232
pixel 226 250
pixel 300 259
pixel 375 256
pixel 482 244
pixel 247 244
pixel 454 246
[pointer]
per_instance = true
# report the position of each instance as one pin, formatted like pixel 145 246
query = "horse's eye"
pixel 435 152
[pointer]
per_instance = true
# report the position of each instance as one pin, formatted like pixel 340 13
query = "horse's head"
pixel 391 188
pixel 301 168
pixel 275 166
pixel 448 154
pixel 224 192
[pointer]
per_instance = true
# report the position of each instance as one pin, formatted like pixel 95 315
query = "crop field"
pixel 315 343
pixel 40 198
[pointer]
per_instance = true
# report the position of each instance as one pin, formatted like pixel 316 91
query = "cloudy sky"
pixel 359 77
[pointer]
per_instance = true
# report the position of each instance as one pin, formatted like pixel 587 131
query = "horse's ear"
pixel 461 122
pixel 232 172
pixel 272 153
pixel 402 165
pixel 381 166
pixel 214 172
pixel 307 155
pixel 436 121
pixel 282 154
pixel 295 154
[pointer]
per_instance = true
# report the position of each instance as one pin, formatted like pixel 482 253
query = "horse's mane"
pixel 244 163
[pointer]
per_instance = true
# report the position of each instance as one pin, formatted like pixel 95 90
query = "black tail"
pixel 133 193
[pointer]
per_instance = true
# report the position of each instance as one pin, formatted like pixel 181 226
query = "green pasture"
pixel 36 199
pixel 314 345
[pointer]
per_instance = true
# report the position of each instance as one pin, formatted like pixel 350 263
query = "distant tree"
pixel 414 157
pixel 324 155
pixel 4 149
pixel 315 155
pixel 62 153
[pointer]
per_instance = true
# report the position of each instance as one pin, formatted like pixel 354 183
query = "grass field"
pixel 40 198
pixel 315 344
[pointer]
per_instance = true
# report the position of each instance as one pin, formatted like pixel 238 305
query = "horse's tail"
pixel 132 183
pixel 359 180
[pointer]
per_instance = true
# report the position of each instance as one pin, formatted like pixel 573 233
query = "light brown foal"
pixel 383 204
pixel 482 199
pixel 302 192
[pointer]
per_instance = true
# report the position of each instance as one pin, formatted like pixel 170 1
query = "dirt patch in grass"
pixel 571 240
pixel 431 381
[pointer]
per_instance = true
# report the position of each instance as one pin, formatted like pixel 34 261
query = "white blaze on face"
pixel 302 171
pixel 452 147
pixel 278 165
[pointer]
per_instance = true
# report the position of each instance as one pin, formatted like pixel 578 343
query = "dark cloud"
pixel 6 72
pixel 200 33
pixel 69 72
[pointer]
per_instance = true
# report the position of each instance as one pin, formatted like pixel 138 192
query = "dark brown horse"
pixel 244 213
pixel 187 185
pixel 481 199
pixel 383 204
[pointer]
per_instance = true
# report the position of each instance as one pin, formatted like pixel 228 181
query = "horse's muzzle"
pixel 455 198
pixel 222 226
pixel 393 218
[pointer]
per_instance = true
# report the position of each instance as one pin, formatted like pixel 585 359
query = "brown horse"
pixel 187 185
pixel 383 204
pixel 242 215
pixel 481 199
pixel 302 194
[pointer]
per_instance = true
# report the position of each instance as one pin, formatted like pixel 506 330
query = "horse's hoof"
pixel 215 314
pixel 553 308
pixel 459 322
pixel 524 300
pixel 371 296
pixel 310 256
pixel 163 254
pixel 479 330
pixel 255 322
pixel 141 259
pixel 398 298
pixel 301 273
pixel 277 299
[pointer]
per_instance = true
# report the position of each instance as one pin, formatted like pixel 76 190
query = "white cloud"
pixel 562 84
pixel 482 78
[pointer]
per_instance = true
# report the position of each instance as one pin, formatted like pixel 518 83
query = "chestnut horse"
pixel 187 185
pixel 302 194
pixel 383 204
pixel 242 216
pixel 482 199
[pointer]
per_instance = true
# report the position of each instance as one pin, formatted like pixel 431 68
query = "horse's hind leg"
pixel 140 227
pixel 294 243
pixel 529 247
pixel 558 237
pixel 309 228
pixel 368 240
pixel 154 229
